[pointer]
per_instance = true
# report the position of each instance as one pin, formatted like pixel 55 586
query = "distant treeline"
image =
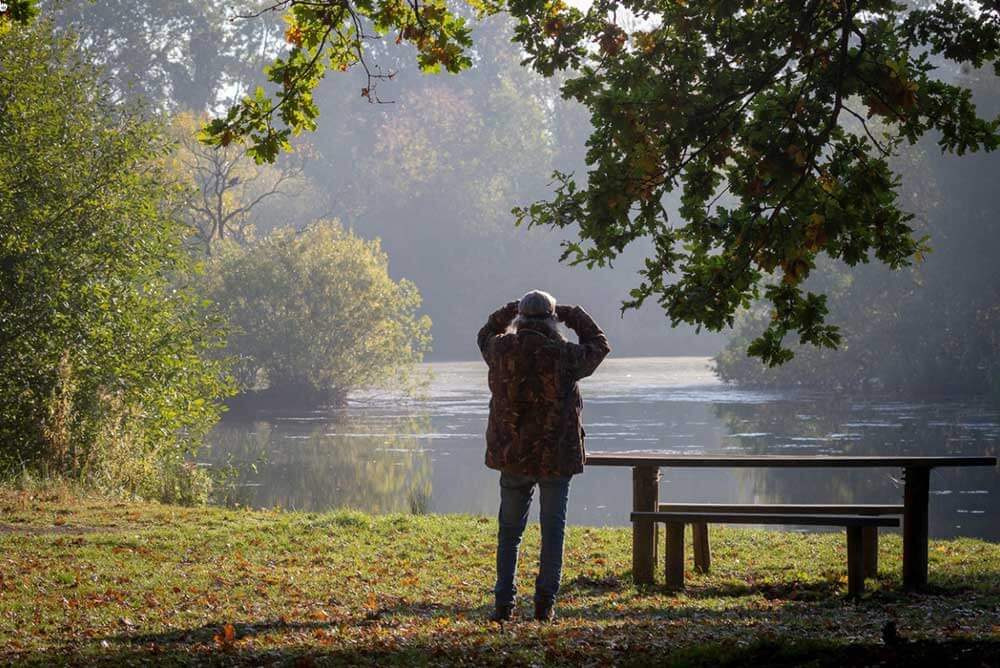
pixel 433 173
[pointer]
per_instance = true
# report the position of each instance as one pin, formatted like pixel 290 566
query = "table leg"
pixel 869 539
pixel 674 553
pixel 915 501
pixel 855 562
pixel 645 497
pixel 702 550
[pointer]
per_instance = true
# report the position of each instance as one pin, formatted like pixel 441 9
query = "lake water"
pixel 385 455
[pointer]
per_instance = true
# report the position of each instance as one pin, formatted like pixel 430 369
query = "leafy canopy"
pixel 740 107
pixel 887 341
pixel 332 35
pixel 737 106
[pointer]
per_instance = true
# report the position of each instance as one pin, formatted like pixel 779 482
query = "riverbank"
pixel 88 581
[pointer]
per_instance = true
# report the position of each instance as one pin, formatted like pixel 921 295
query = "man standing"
pixel 534 435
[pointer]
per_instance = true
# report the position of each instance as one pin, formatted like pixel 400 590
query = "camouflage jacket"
pixel 534 426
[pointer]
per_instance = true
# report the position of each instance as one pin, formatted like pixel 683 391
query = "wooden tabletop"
pixel 796 461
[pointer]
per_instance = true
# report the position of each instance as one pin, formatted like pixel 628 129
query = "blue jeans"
pixel 515 501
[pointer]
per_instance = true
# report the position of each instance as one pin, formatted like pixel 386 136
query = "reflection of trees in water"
pixel 825 427
pixel 376 465
pixel 770 429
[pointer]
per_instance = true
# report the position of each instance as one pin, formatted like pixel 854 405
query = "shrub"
pixel 106 376
pixel 316 313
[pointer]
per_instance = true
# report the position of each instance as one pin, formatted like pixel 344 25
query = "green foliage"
pixel 104 377
pixel 333 35
pixel 17 11
pixel 931 329
pixel 740 105
pixel 317 313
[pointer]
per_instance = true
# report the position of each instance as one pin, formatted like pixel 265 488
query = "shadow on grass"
pixel 588 584
pixel 885 586
pixel 447 648
pixel 639 633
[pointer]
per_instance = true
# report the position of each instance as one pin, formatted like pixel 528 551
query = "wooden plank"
pixel 615 459
pixel 736 518
pixel 702 549
pixel 915 498
pixel 770 508
pixel 645 497
pixel 855 562
pixel 869 541
pixel 674 552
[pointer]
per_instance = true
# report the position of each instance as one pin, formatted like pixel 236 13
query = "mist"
pixel 431 165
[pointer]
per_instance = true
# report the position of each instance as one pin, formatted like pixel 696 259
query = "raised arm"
pixel 593 346
pixel 496 324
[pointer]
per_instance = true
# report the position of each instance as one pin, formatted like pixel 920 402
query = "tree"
pixel 104 348
pixel 176 54
pixel 746 100
pixel 334 35
pixel 738 104
pixel 225 194
pixel 317 314
pixel 931 329
pixel 434 174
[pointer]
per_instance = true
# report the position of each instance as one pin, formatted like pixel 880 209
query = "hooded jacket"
pixel 534 426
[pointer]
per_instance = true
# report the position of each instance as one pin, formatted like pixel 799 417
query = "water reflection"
pixel 961 498
pixel 378 465
pixel 382 455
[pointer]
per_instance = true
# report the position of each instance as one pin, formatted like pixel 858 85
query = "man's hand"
pixel 564 310
pixel 504 315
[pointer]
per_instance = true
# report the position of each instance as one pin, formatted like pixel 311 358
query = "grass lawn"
pixel 90 581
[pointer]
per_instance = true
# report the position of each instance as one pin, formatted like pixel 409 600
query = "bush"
pixel 314 314
pixel 106 376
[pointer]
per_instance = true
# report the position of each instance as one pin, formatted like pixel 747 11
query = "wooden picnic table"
pixel 916 474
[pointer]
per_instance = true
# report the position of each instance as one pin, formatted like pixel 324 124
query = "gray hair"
pixel 537 311
pixel 537 304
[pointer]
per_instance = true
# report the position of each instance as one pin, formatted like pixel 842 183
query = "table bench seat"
pixel 916 490
pixel 800 508
pixel 855 524
pixel 699 530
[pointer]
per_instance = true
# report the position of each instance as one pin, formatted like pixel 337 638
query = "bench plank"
pixel 800 461
pixel 746 518
pixel 772 508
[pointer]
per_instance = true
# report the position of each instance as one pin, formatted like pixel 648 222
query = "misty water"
pixel 382 454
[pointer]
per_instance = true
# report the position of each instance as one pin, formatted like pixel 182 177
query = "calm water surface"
pixel 384 455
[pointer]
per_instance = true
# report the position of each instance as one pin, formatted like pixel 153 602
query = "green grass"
pixel 86 580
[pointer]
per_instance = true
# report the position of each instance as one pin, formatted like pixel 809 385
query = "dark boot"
pixel 502 613
pixel 544 612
